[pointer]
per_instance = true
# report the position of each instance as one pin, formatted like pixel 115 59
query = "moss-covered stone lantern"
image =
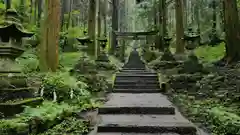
pixel 85 41
pixel 102 56
pixel 167 41
pixel 191 65
pixel 103 43
pixel 11 34
pixel 14 92
pixel 167 55
pixel 191 39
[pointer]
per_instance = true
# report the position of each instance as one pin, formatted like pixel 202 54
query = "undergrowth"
pixel 64 92
pixel 218 112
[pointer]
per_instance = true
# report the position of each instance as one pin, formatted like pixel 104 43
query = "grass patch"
pixel 211 112
pixel 69 59
pixel 210 54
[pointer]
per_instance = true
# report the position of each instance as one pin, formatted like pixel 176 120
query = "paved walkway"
pixel 137 107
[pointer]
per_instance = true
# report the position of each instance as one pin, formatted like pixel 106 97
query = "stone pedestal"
pixel 14 93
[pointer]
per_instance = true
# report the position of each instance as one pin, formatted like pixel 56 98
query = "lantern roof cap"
pixel 12 30
pixel 85 39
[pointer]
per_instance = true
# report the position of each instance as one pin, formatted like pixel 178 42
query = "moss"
pixel 12 81
pixel 22 101
pixel 13 126
pixel 18 89
pixel 210 54
pixel 17 106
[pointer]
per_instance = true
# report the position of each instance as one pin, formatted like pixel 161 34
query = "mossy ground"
pixel 61 82
pixel 219 113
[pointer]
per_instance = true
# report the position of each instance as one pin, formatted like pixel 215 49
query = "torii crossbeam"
pixel 134 35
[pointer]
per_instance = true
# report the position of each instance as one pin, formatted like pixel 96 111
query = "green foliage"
pixel 70 125
pixel 224 122
pixel 85 65
pixel 220 120
pixel 64 86
pixel 46 112
pixel 69 59
pixel 210 54
pixel 29 61
pixel 149 55
pixel 95 82
pixel 68 40
pixel 13 126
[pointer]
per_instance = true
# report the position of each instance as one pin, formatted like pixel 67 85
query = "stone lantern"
pixel 167 41
pixel 191 65
pixel 152 47
pixel 102 56
pixel 167 55
pixel 14 93
pixel 85 41
pixel 191 40
pixel 103 43
pixel 11 34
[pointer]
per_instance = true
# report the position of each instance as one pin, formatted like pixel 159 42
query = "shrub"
pixel 29 61
pixel 70 125
pixel 96 82
pixel 61 86
pixel 210 54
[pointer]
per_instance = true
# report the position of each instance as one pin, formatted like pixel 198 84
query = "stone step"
pixel 137 86
pixel 136 133
pixel 135 65
pixel 137 75
pixel 139 80
pixel 142 103
pixel 136 72
pixel 146 79
pixel 136 82
pixel 125 68
pixel 146 124
pixel 136 91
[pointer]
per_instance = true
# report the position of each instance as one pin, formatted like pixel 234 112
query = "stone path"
pixel 137 107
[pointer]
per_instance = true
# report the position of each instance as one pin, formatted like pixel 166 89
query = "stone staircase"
pixel 137 107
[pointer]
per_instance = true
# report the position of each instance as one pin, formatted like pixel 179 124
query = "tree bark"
pixel 232 31
pixel 179 27
pixel 51 29
pixel 99 24
pixel 91 26
pixel 105 6
pixel 114 42
pixel 8 4
pixel 40 3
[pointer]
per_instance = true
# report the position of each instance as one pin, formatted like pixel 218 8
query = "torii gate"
pixel 134 35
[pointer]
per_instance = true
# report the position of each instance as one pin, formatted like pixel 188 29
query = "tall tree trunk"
pixel 99 24
pixel 31 10
pixel 232 31
pixel 69 14
pixel 40 5
pixel 214 23
pixel 51 29
pixel 155 12
pixel 8 4
pixel 105 8
pixel 160 26
pixel 62 13
pixel 114 42
pixel 35 11
pixel 179 27
pixel 91 25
